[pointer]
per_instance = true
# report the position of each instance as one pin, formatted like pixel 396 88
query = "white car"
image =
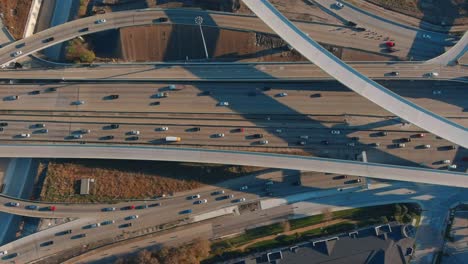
pixel 433 74
pixel 243 188
pixel 336 132
pixel 163 129
pixel 24 135
pixel 79 102
pixel 263 142
pixel 452 167
pixel 202 201
pixel 100 21
pixel 426 36
pixel 17 53
pixel 3 253
pixel 134 132
pixel 14 204
pixel 339 5
pixel 446 161
pixel 85 131
pixel 427 146
pixel 219 135
pixel 282 94
pixel 95 225
pixel 223 103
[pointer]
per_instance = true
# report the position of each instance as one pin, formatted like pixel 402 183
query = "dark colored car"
pixel 35 92
pixel 108 137
pixel 155 103
pixel 196 129
pixel 113 96
pixel 405 139
pixel 126 225
pixel 206 93
pixel 84 29
pixel 324 142
pixel 155 205
pixel 161 20
pixel 32 207
pixel 133 138
pixel 394 73
pixel 48 39
pixel 1 129
pixel 3 124
pixel 383 133
pixel 47 243
pixel 51 89
pixel 360 29
pixel 316 95
pixel 301 143
pixel 187 211
pixel 351 24
pixel 258 135
pixel 114 126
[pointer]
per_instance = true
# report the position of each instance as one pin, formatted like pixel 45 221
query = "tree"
pixel 404 210
pixel 397 210
pixel 384 219
pixel 406 218
pixel 145 257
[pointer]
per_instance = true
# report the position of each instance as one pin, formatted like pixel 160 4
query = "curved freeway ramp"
pixel 267 160
pixel 355 80
pixel 452 55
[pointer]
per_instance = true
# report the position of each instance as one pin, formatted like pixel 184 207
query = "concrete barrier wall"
pixel 32 18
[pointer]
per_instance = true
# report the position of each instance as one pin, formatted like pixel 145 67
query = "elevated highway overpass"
pixel 354 80
pixel 267 160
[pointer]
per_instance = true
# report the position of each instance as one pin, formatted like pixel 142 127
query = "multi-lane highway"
pixel 338 35
pixel 355 80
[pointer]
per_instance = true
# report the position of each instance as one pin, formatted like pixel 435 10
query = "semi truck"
pixel 172 139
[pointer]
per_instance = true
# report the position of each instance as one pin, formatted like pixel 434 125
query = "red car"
pixel 52 208
pixel 241 129
pixel 390 44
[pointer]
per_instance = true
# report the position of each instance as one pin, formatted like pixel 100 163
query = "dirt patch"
pixel 14 14
pixel 438 12
pixel 128 179
pixel 181 42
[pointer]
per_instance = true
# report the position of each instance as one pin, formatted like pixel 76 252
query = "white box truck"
pixel 172 139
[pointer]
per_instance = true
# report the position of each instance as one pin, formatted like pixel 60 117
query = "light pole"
pixel 199 22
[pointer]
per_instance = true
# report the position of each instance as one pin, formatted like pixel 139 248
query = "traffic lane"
pixel 242 98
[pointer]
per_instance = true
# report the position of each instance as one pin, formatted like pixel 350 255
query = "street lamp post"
pixel 199 22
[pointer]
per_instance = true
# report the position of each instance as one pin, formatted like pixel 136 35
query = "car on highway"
pixel 432 74
pixel 452 167
pixel 161 95
pixel 240 200
pixel 394 73
pixel 51 208
pixel 223 103
pixel 452 147
pixel 282 94
pixel 114 126
pixel 202 201
pixel 218 192
pixel 420 135
pixel 108 222
pixel 125 225
pixel 257 135
pixel 405 140
pixel 446 161
pixel 155 103
pixel 436 92
pixel 325 142
pixel 47 243
pixel 316 95
pixel 17 53
pixel 196 196
pixel 78 102
pixel 160 20
pixel 134 132
pixel 109 137
pixel 375 144
pixel 224 197
pixel 399 145
pixel 1 129
pixel 77 136
pixel 35 92
pixel 24 135
pixel 301 143
pixel 132 217
pixel 143 206
pixel 108 209
pixel 3 124
pixel 14 204
pixel 113 96
pixel 351 23
pixel 243 188
pixel 155 205
pixel 130 207
pixel 51 89
pixel 133 138
pixel 95 225
pixel 84 131
pixel 31 207
pixel 3 253
pixel 335 132
pixel 39 125
pixel 101 21
pixel 263 142
pixel 206 93
pixel 43 131
pixel 383 133
pixel 13 97
pixel 219 135
pixel 186 211
pixel 78 236
pixel 390 44
pixel 47 40
pixel 427 146
pixel 339 5
pixel 163 129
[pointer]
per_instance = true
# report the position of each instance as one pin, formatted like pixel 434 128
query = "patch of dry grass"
pixel 15 15
pixel 117 179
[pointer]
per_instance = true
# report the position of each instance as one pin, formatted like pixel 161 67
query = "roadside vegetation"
pixel 128 179
pixel 302 229
pixel 191 253
pixel 78 51
pixel 83 8
pixel 14 14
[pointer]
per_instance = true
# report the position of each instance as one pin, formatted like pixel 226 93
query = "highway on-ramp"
pixel 355 80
